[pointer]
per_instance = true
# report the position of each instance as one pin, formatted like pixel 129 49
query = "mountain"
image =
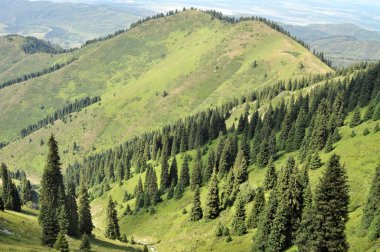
pixel 344 44
pixel 155 73
pixel 67 24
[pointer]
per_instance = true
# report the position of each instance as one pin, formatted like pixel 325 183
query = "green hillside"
pixel 197 60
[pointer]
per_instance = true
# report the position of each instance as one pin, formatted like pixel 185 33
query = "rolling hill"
pixel 155 73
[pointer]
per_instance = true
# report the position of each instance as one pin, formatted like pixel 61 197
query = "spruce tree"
pixel 315 161
pixel 331 204
pixel 376 113
pixel 173 173
pixel 85 225
pixel 85 243
pixel 164 181
pixel 1 204
pixel 51 195
pixel 369 112
pixel 72 211
pixel 26 191
pixel 185 175
pixel 329 145
pixel 212 202
pixel 4 177
pixel 61 243
pixel 372 205
pixel 240 168
pixel 13 201
pixel 356 118
pixel 208 168
pixel 112 229
pixel 257 209
pixel 270 176
pixel 196 175
pixel 196 212
pixel 238 221
pixel 374 229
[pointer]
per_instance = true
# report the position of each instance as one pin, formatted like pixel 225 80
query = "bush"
pixel 365 132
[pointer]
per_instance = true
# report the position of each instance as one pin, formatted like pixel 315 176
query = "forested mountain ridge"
pixel 170 66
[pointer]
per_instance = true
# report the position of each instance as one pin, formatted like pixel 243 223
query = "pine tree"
pixel 369 112
pixel 374 229
pixel 257 209
pixel 331 204
pixel 112 229
pixel 13 201
pixel 185 177
pixel 329 145
pixel 85 225
pixel 240 168
pixel 173 173
pixel 139 195
pixel 208 168
pixel 196 175
pixel 270 176
pixel 61 243
pixel 26 191
pixel 376 113
pixel 85 243
pixel 372 205
pixel 356 118
pixel 164 181
pixel 212 203
pixel 196 210
pixel 4 177
pixel 238 221
pixel 72 211
pixel 51 195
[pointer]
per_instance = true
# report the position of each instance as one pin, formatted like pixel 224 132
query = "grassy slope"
pixel 174 232
pixel 198 61
pixel 14 62
pixel 25 230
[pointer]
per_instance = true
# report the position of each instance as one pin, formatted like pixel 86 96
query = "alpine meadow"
pixel 187 131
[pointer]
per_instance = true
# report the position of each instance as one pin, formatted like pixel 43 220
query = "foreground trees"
pixel 85 225
pixel 112 230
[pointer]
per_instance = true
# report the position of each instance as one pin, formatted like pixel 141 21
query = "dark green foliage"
pixel 257 209
pixel 26 191
pixel 376 113
pixel 76 106
pixel 61 243
pixel 139 195
pixel 331 204
pixel 372 205
pixel 128 210
pixel 1 204
pixel 369 112
pixel 112 229
pixel 196 212
pixel 145 248
pixel 329 145
pixel 376 128
pixel 366 132
pixel 270 176
pixel 72 211
pixel 173 173
pixel 356 118
pixel 151 189
pixel 4 177
pixel 240 168
pixel 170 192
pixel 164 181
pixel 353 133
pixel 196 175
pixel 315 161
pixel 85 225
pixel 13 201
pixel 185 175
pixel 85 243
pixel 212 202
pixel 238 221
pixel 35 45
pixel 51 194
pixel 208 168
pixel 374 229
pixel 219 229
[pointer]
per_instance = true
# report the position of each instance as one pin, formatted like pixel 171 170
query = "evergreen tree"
pixel 212 203
pixel 331 204
pixel 240 168
pixel 85 225
pixel 315 161
pixel 369 112
pixel 356 118
pixel 238 221
pixel 139 195
pixel 196 210
pixel 85 243
pixel 61 243
pixel 112 229
pixel 173 174
pixel 374 229
pixel 376 113
pixel 51 195
pixel 13 201
pixel 185 177
pixel 4 177
pixel 170 191
pixel 329 145
pixel 72 211
pixel 208 169
pixel 164 182
pixel 270 176
pixel 26 191
pixel 257 209
pixel 372 205
pixel 196 175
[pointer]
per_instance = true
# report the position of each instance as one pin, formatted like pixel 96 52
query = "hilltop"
pixel 155 73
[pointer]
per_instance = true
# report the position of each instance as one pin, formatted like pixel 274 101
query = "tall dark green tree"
pixel 173 173
pixel 51 193
pixel 270 176
pixel 331 204
pixel 72 211
pixel 85 243
pixel 164 180
pixel 196 212
pixel 212 202
pixel 185 175
pixel 1 204
pixel 257 209
pixel 112 229
pixel 356 118
pixel 238 221
pixel 196 175
pixel 26 190
pixel 372 205
pixel 85 225
pixel 61 243
pixel 4 177
pixel 13 201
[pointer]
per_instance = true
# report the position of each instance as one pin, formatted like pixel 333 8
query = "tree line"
pixel 76 106
pixel 39 73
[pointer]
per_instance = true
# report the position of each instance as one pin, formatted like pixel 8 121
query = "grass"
pixel 200 62
pixel 23 235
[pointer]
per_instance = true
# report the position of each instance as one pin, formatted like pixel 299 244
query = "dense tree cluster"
pixel 39 73
pixel 10 196
pixel 76 106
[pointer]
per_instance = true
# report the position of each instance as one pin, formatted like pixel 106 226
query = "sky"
pixel 363 13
